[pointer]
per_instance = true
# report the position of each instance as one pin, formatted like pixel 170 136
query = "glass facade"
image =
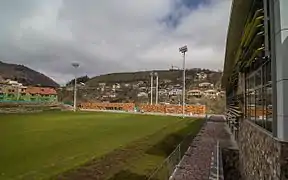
pixel 257 70
pixel 258 94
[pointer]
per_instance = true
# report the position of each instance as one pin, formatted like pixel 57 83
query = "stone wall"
pixel 261 156
pixel 230 159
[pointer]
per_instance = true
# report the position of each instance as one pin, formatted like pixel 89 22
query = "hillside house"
pixel 143 88
pixel 9 93
pixel 175 92
pixel 201 76
pixel 205 85
pixel 116 86
pixel 210 93
pixel 10 90
pixel 195 93
pixel 221 93
pixel 166 81
pixel 162 91
pixel 13 83
pixel 142 94
pixel 140 83
pixel 135 86
pixel 102 84
pixel 177 86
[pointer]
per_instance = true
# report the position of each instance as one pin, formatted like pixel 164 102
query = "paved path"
pixel 197 162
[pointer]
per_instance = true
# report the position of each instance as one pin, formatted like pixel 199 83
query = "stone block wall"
pixel 261 155
pixel 231 164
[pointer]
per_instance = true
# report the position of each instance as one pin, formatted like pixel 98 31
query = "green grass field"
pixel 42 145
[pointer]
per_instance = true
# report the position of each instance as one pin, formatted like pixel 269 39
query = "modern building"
pixel 256 81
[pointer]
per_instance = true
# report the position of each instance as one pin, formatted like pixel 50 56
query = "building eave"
pixel 238 15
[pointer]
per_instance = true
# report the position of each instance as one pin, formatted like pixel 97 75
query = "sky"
pixel 106 36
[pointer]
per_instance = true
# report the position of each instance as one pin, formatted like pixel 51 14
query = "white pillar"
pixel 75 94
pixel 183 89
pixel 280 33
pixel 75 65
pixel 156 91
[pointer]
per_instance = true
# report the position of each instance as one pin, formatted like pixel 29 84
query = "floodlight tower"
pixel 183 50
pixel 75 65
pixel 151 88
pixel 157 87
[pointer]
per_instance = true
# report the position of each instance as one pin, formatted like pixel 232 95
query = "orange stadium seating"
pixel 172 109
pixel 258 112
pixel 108 106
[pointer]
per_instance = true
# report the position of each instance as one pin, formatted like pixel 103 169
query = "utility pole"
pixel 151 88
pixel 183 50
pixel 75 65
pixel 157 86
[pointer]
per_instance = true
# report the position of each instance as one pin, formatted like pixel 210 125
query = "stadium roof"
pixel 238 15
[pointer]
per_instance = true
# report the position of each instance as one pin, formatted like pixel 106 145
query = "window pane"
pixel 268 71
pixel 252 105
pixel 258 77
pixel 245 105
pixel 259 107
pixel 249 106
pixel 269 107
pixel 264 75
pixel 251 82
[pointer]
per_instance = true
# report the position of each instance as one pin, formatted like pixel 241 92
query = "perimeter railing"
pixel 169 165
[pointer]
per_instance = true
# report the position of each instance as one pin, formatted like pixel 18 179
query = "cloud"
pixel 112 36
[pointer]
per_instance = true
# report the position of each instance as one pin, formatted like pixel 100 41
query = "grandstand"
pixel 147 108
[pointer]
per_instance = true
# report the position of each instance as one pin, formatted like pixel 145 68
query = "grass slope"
pixel 157 149
pixel 41 145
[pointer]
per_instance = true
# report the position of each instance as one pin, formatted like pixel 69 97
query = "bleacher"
pixel 160 108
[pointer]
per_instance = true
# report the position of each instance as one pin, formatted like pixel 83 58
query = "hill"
pixel 131 83
pixel 82 79
pixel 173 75
pixel 25 75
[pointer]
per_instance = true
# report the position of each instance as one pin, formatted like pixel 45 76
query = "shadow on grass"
pixel 128 175
pixel 185 135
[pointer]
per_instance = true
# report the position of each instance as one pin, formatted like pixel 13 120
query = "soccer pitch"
pixel 42 145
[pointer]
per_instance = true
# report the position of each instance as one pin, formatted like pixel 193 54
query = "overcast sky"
pixel 111 35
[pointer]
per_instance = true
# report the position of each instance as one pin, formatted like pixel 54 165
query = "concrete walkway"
pixel 199 160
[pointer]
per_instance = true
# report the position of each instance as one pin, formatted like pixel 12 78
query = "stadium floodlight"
pixel 183 50
pixel 151 88
pixel 75 65
pixel 157 86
